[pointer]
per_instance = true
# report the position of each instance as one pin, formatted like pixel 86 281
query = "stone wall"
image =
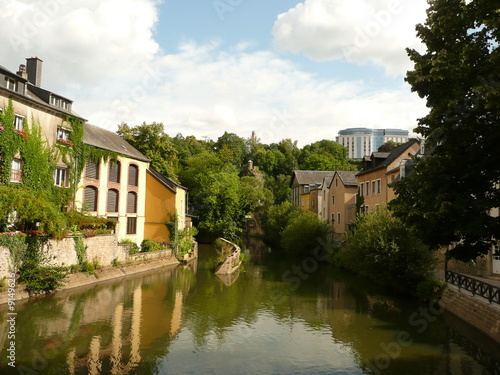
pixel 103 249
pixel 232 262
pixel 474 310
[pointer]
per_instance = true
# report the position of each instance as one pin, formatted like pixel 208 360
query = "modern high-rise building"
pixel 363 141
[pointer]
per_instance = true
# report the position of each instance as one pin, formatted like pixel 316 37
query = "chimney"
pixel 34 69
pixel 22 71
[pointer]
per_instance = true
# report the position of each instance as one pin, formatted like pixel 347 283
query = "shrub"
pixel 275 221
pixel 382 248
pixel 430 290
pixel 148 245
pixel 303 231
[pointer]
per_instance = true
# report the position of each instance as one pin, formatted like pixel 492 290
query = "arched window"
pixel 90 198
pixel 131 202
pixel 114 171
pixel 92 170
pixel 133 175
pixel 112 200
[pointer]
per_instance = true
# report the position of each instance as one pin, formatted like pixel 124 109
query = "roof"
pixel 386 160
pixel 348 178
pixel 108 140
pixel 169 183
pixel 311 177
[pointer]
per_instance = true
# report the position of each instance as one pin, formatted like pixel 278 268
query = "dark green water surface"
pixel 276 316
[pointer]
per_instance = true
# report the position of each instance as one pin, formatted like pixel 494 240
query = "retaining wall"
pixel 474 310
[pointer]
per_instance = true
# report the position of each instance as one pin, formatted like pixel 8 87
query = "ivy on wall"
pixel 10 142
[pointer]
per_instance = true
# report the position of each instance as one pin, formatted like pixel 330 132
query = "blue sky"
pixel 283 68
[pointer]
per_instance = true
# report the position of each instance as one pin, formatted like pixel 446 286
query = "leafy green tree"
pixel 275 221
pixel 254 194
pixel 232 148
pixel 449 196
pixel 155 144
pixel 303 233
pixel 383 249
pixel 324 155
pixel 280 188
pixel 388 146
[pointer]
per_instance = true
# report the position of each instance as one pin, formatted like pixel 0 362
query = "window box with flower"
pixel 64 142
pixel 22 133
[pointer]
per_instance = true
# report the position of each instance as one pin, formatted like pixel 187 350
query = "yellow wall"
pixel 160 201
pixel 345 204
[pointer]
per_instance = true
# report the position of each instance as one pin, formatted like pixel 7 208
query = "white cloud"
pixel 360 31
pixel 102 54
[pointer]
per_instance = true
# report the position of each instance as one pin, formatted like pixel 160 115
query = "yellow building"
pixel 163 198
pixel 341 200
pixel 379 170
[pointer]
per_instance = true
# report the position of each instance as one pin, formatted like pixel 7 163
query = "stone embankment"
pixel 232 261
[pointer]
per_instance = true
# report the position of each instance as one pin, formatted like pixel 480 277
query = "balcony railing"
pixel 16 175
pixel 475 286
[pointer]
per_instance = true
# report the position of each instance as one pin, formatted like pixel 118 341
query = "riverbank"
pixel 79 279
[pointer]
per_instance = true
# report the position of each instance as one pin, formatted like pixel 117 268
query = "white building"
pixel 363 141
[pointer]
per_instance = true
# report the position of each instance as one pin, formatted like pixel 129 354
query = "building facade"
pixel 341 201
pixel 363 141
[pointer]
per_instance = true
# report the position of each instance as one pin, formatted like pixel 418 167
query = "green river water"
pixel 269 318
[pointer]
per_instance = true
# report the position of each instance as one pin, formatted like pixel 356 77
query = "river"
pixel 270 318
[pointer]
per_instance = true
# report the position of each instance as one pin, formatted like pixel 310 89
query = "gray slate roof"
pixel 169 183
pixel 384 161
pixel 107 140
pixel 311 177
pixel 349 178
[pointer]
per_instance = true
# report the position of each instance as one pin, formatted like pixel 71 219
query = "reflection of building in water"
pixel 150 317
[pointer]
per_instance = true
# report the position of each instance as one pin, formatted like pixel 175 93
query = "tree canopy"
pixel 451 194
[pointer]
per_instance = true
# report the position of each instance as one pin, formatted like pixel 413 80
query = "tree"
pixel 324 155
pixel 151 140
pixel 388 146
pixel 450 195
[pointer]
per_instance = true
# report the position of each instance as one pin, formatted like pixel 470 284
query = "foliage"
pixel 90 267
pixel 155 144
pixel 302 233
pixel 449 196
pixel 279 187
pixel 79 221
pixel 148 245
pixel 388 146
pixel 185 241
pixel 254 194
pixel 80 249
pixel 16 243
pixel 10 142
pixel 383 249
pixel 115 263
pixel 430 290
pixel 35 273
pixel 232 149
pixel 31 208
pixel 275 221
pixel 134 248
pixel 324 155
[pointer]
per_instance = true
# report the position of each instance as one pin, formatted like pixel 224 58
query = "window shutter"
pixel 133 174
pixel 112 200
pixel 90 198
pixel 131 203
pixel 114 172
pixel 92 170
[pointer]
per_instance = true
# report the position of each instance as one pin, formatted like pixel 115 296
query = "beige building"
pixel 305 182
pixel 33 104
pixel 341 201
pixel 115 189
pixel 379 170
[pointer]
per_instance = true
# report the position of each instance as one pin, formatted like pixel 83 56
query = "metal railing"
pixel 475 286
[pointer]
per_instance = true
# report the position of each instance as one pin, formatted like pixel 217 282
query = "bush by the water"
pixel 382 248
pixel 275 221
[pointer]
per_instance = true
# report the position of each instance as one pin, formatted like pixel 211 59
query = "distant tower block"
pixel 363 141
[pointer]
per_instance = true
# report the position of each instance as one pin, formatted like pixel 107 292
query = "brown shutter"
pixel 90 198
pixel 114 171
pixel 92 170
pixel 131 203
pixel 112 200
pixel 133 172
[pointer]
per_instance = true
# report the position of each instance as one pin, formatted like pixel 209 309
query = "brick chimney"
pixel 34 69
pixel 22 71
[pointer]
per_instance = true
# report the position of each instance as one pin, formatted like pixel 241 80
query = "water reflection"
pixel 187 320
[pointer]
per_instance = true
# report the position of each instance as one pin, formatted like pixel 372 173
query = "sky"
pixel 282 68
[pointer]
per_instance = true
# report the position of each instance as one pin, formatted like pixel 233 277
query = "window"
pixel 112 200
pixel 92 170
pixel 18 122
pixel 90 198
pixel 379 186
pixel 374 186
pixel 367 209
pixel 131 225
pixel 367 188
pixel 402 170
pixel 338 217
pixel 133 175
pixel 336 182
pixel 61 177
pixel 63 134
pixel 361 189
pixel 333 218
pixel 114 171
pixel 131 202
pixel 333 199
pixel 16 170
pixel 10 84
